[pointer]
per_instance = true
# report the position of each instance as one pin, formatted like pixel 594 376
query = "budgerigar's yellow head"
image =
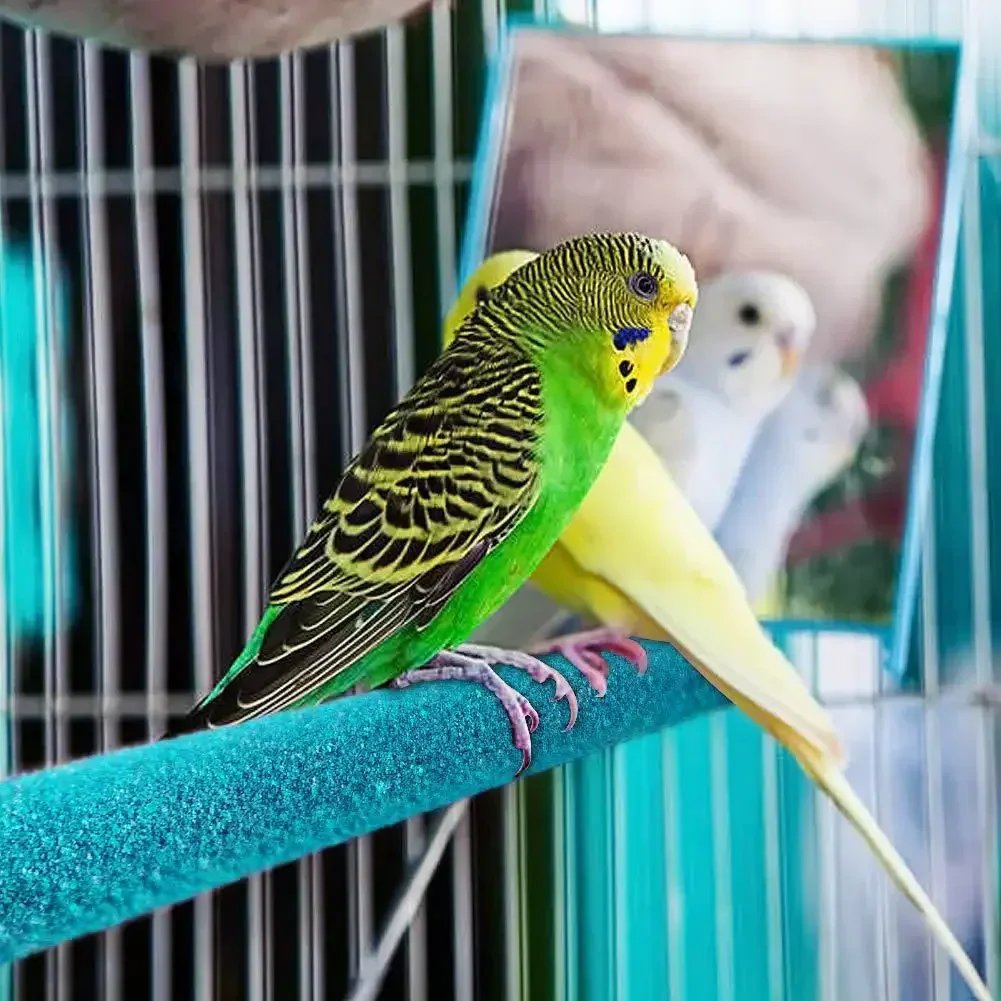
pixel 494 270
pixel 615 309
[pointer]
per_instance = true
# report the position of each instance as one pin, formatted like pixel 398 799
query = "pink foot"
pixel 536 669
pixel 456 666
pixel 583 651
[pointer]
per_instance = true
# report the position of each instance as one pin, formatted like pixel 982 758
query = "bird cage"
pixel 214 280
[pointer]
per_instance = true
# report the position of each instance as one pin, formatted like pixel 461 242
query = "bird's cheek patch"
pixel 629 335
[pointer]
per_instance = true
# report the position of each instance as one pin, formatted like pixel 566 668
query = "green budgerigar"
pixel 465 485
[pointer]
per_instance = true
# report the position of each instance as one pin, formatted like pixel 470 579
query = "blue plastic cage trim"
pixel 34 321
pixel 895 635
pixel 39 592
pixel 962 142
pixel 494 117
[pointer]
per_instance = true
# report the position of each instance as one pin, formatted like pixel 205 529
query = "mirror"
pixel 805 180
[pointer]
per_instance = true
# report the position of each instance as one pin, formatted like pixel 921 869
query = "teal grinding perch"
pixel 460 492
pixel 102 840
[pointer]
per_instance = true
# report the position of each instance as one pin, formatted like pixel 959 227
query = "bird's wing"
pixel 444 479
pixel 668 564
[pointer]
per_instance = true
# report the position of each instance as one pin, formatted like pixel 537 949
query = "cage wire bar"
pixel 231 222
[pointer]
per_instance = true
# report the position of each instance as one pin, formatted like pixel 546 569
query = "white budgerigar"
pixel 749 332
pixel 808 441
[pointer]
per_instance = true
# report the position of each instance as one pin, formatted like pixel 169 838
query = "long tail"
pixel 194 720
pixel 740 660
pixel 834 783
pixel 825 768
pixel 198 716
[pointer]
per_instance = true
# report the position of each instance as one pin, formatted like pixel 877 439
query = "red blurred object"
pixel 894 397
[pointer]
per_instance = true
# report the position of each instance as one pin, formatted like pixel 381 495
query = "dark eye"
pixel 749 314
pixel 738 358
pixel 643 285
pixel 482 293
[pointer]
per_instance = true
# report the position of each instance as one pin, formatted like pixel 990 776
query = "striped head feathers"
pixel 614 308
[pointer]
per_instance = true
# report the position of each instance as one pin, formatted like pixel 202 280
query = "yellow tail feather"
pixel 834 783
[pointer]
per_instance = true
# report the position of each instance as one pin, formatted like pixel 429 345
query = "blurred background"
pixel 216 279
pixel 821 163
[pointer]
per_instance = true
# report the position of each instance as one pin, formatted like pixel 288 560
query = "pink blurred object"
pixel 803 159
pixel 210 29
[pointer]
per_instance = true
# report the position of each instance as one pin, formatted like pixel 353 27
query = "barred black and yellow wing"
pixel 445 478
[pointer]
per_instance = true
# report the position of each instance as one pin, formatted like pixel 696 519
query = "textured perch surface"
pixel 209 29
pixel 104 839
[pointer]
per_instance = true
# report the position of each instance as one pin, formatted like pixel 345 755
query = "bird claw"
pixel 583 651
pixel 538 670
pixel 528 712
pixel 460 665
pixel 474 662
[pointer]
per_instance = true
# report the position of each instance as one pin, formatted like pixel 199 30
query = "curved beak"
pixel 679 323
pixel 790 361
pixel 789 354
